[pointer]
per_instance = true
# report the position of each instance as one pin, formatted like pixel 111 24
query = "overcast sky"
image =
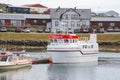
pixel 94 5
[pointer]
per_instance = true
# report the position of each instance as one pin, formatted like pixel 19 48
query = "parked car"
pixel 77 30
pixel 18 29
pixel 85 30
pixel 47 30
pixel 70 30
pixel 58 31
pixel 101 30
pixel 116 29
pixel 110 29
pixel 40 30
pixel 3 29
pixel 26 30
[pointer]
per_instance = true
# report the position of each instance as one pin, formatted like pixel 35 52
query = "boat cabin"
pixel 6 56
pixel 9 57
pixel 63 38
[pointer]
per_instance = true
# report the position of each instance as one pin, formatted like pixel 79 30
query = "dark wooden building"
pixel 105 22
pixel 18 9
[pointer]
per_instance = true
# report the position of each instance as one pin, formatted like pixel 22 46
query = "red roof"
pixel 35 5
pixel 47 12
pixel 63 36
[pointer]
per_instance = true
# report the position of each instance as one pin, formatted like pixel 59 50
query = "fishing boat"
pixel 69 48
pixel 9 60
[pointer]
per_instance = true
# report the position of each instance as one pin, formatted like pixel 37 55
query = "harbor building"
pixel 23 20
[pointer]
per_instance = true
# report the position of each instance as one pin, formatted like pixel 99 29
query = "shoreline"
pixel 44 49
pixel 39 41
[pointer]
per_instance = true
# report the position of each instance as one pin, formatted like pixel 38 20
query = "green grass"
pixel 23 36
pixel 42 36
pixel 105 37
pixel 108 37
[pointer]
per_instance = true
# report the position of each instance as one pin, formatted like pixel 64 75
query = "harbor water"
pixel 108 68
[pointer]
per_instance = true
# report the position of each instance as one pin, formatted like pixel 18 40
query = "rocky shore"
pixel 39 45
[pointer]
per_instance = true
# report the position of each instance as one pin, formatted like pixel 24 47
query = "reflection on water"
pixel 104 70
pixel 12 74
pixel 71 72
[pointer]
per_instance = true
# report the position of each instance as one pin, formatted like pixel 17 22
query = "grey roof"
pixel 24 16
pixel 105 19
pixel 112 12
pixel 56 12
pixel 37 16
pixel 12 16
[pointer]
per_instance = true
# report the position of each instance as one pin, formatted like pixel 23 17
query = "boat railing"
pixel 85 39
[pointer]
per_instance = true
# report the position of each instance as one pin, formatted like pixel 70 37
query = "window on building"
pixel 65 23
pixel 16 22
pixel 56 23
pixel 1 22
pixel 100 24
pixel 44 21
pixel 112 24
pixel 83 22
pixel 78 23
pixel 35 21
pixel 72 24
pixel 74 16
pixel 67 16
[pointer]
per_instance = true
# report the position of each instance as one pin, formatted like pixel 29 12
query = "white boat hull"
pixel 72 57
pixel 14 66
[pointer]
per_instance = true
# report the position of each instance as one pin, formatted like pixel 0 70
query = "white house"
pixel 112 14
pixel 65 19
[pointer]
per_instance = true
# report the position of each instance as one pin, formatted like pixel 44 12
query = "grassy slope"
pixel 41 36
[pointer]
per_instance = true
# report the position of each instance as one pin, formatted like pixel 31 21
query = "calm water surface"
pixel 104 70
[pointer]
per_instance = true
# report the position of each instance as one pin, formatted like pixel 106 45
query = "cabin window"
pixel 10 58
pixel 66 40
pixel 91 46
pixel 84 46
pixel 4 58
pixel 51 41
pixel 55 40
pixel 71 41
pixel 74 40
pixel 61 41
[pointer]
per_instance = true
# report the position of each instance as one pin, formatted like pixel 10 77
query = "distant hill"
pixel 3 7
